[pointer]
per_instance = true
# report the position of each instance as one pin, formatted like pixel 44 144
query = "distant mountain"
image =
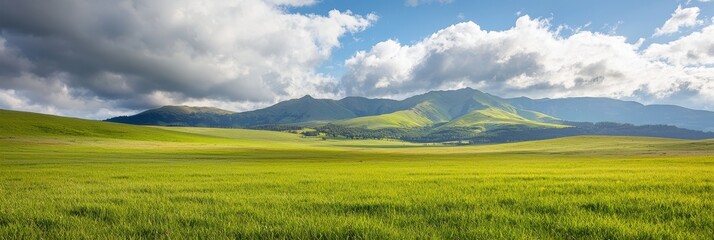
pixel 468 108
pixel 446 115
pixel 177 116
pixel 610 110
pixel 305 110
pixel 464 108
pixel 361 106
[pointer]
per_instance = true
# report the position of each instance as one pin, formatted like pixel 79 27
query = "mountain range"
pixel 457 114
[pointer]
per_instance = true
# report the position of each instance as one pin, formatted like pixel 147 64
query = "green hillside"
pixel 399 119
pixel 432 109
pixel 178 116
pixel 422 115
pixel 423 110
pixel 493 118
pixel 466 108
pixel 25 128
pixel 188 110
pixel 15 124
pixel 466 115
pixel 537 116
pixel 305 109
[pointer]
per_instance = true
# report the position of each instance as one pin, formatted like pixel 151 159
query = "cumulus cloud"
pixel 695 49
pixel 686 17
pixel 133 55
pixel 533 59
pixel 99 59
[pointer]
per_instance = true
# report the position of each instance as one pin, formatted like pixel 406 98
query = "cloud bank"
pixel 533 59
pixel 73 54
pixel 98 59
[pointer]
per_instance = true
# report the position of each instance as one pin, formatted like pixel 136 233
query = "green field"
pixel 73 179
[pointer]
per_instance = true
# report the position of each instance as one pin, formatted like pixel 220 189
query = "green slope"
pixel 493 118
pixel 54 133
pixel 465 108
pixel 423 110
pixel 16 127
pixel 443 106
pixel 189 110
pixel 295 111
pixel 399 119
pixel 537 116
pixel 33 125
pixel 177 116
pixel 306 110
pixel 423 115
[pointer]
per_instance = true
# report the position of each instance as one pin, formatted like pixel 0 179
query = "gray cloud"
pixel 103 58
pixel 137 54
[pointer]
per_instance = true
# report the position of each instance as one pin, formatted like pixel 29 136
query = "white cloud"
pixel 529 59
pixel 72 57
pixel 694 49
pixel 682 17
pixel 133 55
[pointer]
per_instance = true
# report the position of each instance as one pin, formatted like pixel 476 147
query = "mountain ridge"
pixel 434 108
pixel 598 109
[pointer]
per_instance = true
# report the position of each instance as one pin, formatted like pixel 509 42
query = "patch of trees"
pixel 337 131
pixel 170 119
pixel 443 135
pixel 513 133
pixel 279 128
pixel 582 128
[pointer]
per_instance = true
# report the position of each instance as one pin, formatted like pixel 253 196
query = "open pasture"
pixel 69 178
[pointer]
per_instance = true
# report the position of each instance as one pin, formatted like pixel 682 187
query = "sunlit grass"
pixel 224 183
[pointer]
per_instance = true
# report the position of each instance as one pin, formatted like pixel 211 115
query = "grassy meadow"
pixel 63 178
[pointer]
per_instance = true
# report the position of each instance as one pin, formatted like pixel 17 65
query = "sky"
pixel 99 59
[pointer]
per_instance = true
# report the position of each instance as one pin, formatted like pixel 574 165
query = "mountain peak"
pixel 183 109
pixel 466 89
pixel 433 107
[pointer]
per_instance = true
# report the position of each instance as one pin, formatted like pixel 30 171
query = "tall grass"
pixel 228 184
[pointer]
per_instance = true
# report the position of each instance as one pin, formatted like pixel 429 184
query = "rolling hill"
pixel 432 108
pixel 25 124
pixel 464 108
pixel 448 115
pixel 177 116
pixel 585 109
